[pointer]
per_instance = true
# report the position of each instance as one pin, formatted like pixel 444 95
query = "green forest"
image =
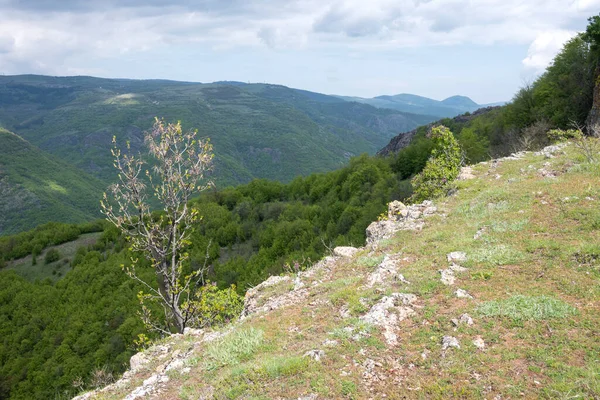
pixel 60 334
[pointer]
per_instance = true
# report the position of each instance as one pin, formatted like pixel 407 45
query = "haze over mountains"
pixel 66 125
pixel 447 108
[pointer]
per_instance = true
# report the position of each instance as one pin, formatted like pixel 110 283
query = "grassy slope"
pixel 54 270
pixel 36 188
pixel 264 131
pixel 540 238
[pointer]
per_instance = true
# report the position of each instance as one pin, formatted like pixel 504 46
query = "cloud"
pixel 543 49
pixel 58 37
pixel 7 44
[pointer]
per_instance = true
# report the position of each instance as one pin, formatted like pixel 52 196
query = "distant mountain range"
pixel 63 128
pixel 450 107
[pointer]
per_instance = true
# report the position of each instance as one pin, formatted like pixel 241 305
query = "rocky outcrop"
pixel 593 118
pixel 402 140
pixel 400 217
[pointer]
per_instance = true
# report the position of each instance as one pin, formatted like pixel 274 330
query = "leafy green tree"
pixel 563 94
pixel 443 166
pixel 181 162
pixel 51 256
pixel 476 147
pixel 592 36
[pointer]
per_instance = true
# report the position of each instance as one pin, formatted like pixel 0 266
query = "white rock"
pixel 466 173
pixel 479 233
pixel 466 319
pixel 450 341
pixel 298 284
pixel 386 272
pixel 316 355
pixel 388 312
pixel 479 343
pixel 457 257
pixel 457 268
pixel 429 211
pixel 137 361
pixel 396 210
pixel 345 251
pixel 308 397
pixel 448 277
pixel 462 294
pixel 414 214
pixel 193 332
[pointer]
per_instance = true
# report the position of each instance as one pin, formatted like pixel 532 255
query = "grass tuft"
pixel 521 307
pixel 234 348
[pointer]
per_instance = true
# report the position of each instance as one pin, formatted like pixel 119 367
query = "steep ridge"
pixel 477 295
pixel 402 140
pixel 36 188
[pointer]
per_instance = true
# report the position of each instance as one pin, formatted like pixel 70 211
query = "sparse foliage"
pixel 443 166
pixel 587 145
pixel 181 162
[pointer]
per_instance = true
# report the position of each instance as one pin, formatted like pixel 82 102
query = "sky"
pixel 484 49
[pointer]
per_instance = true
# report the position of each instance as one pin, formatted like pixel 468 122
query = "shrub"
pixel 214 306
pixel 52 255
pixel 441 169
pixel 587 146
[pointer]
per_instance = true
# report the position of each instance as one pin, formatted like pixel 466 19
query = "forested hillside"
pixel 36 187
pixel 562 97
pixel 258 130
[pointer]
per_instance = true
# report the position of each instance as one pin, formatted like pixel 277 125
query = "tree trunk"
pixel 173 305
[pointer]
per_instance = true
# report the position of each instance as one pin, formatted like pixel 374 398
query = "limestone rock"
pixel 388 312
pixel 448 277
pixel 466 173
pixel 309 397
pixel 456 268
pixel 316 355
pixel 397 210
pixel 193 332
pixel 137 361
pixel 479 343
pixel 404 218
pixel 466 319
pixel 345 251
pixel 386 271
pixel 551 151
pixel 450 341
pixel 457 257
pixel 462 294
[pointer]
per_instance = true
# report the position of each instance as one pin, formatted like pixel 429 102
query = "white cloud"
pixel 543 49
pixel 73 36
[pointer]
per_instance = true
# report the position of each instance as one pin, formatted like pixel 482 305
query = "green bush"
pixel 51 256
pixel 441 169
pixel 214 306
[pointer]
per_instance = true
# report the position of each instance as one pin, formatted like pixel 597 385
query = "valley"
pixel 394 246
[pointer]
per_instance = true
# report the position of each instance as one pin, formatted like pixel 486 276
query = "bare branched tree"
pixel 181 163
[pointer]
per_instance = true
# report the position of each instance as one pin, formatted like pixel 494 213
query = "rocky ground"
pixel 491 293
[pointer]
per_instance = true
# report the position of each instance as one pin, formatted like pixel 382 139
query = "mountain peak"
pixel 461 101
